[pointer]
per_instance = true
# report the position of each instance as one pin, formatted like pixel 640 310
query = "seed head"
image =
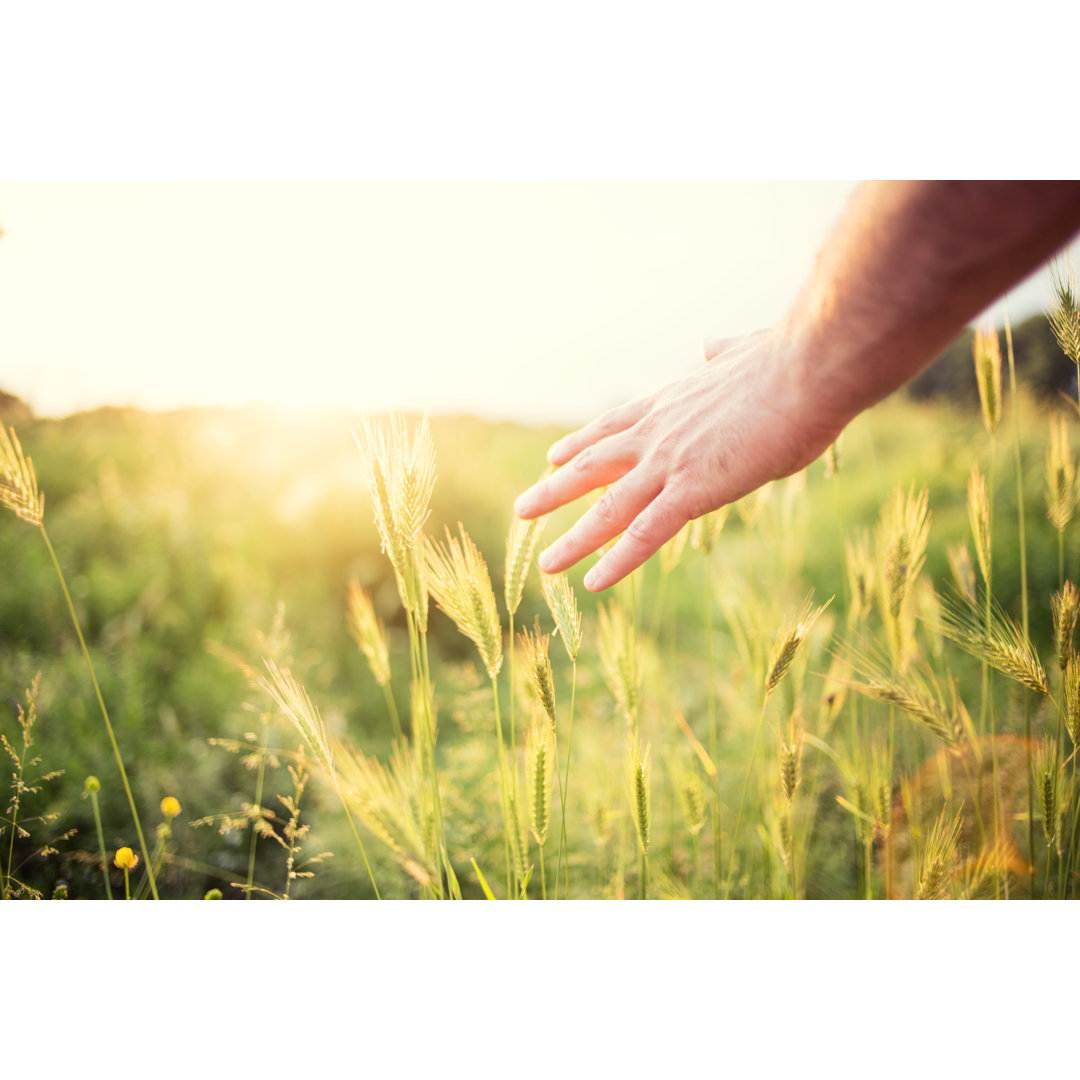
pixel 540 761
pixel 637 762
pixel 987 354
pixel 535 647
pixel 561 602
pixel 368 632
pixel 1061 494
pixel 459 581
pixel 521 546
pixel 978 504
pixel 1064 606
pixel 790 639
pixel 1065 318
pixel 18 483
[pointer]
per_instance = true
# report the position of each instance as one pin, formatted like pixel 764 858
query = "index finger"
pixel 609 423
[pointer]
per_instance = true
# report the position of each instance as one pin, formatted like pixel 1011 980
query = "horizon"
pixel 530 302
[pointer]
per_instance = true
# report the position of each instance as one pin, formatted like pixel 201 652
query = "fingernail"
pixel 591 578
pixel 544 561
pixel 553 451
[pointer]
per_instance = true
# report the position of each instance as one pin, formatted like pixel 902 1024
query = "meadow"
pixel 255 653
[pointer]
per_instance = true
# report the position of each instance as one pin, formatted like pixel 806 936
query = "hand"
pixel 700 443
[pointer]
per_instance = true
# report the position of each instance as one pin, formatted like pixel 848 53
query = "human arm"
pixel 902 272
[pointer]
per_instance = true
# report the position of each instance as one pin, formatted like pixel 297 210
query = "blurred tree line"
pixel 1040 365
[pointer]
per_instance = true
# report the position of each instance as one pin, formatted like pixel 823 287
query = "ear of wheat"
pixel 997 639
pixel 790 639
pixel 540 764
pixel 1061 496
pixel 938 864
pixel 534 646
pixel 637 769
pixel 987 354
pixel 1064 606
pixel 368 632
pixel 400 472
pixel 388 800
pixel 859 566
pixel 978 505
pixel 561 602
pixel 293 702
pixel 620 658
pixel 902 536
pixel 706 529
pixel 459 580
pixel 18 482
pixel 917 693
pixel 962 571
pixel 1065 316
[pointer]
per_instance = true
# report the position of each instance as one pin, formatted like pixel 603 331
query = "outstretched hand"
pixel 696 445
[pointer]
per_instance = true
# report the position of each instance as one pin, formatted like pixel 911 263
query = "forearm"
pixel 906 267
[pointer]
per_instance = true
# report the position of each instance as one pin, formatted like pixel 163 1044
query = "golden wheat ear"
pixel 18 482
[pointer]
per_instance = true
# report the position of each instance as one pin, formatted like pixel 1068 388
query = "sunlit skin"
pixel 905 268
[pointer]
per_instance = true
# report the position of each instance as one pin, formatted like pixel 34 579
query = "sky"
pixel 536 302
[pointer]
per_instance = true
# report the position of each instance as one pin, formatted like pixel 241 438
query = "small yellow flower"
pixel 93 784
pixel 170 807
pixel 126 859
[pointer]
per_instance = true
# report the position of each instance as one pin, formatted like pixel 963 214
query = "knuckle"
pixel 606 506
pixel 585 459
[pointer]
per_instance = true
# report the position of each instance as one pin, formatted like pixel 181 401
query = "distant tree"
pixel 13 411
pixel 1040 365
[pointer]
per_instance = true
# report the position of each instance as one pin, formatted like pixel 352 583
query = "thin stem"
pixel 504 787
pixel 564 785
pixel 742 800
pixel 104 711
pixel 257 808
pixel 101 844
